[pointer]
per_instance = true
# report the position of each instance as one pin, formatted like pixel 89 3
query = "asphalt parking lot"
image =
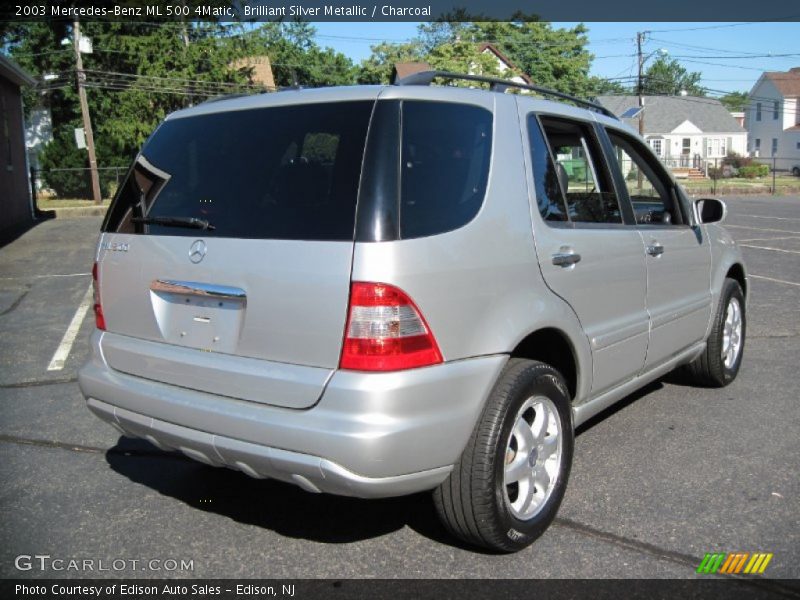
pixel 671 473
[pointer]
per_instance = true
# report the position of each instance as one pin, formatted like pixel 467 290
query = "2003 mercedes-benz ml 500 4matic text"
pixel 376 291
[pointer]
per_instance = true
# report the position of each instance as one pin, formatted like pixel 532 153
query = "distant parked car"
pixel 377 291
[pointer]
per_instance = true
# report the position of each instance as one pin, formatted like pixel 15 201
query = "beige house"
pixel 259 71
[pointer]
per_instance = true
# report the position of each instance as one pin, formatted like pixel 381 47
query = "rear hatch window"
pixel 226 258
pixel 287 173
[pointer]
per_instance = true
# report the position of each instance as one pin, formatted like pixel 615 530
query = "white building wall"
pixel 721 145
pixel 768 128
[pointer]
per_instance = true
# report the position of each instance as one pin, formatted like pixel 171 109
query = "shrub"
pixel 65 167
pixel 753 171
pixel 737 161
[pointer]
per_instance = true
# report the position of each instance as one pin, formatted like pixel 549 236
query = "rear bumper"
pixel 370 435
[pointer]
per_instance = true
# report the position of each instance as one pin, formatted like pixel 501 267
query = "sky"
pixel 702 47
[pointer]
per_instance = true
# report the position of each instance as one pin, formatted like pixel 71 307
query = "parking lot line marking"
pixel 64 348
pixel 767 217
pixel 773 279
pixel 726 225
pixel 774 239
pixel 768 248
pixel 45 276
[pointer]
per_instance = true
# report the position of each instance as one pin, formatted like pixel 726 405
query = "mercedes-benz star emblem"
pixel 197 251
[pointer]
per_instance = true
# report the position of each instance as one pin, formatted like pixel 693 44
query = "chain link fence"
pixel 736 174
pixel 52 187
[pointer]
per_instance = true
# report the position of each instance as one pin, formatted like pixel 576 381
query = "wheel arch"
pixel 737 273
pixel 552 346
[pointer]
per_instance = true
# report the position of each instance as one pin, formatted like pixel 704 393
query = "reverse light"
pixel 99 320
pixel 385 331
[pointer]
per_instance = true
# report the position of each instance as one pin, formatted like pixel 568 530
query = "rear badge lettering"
pixel 116 246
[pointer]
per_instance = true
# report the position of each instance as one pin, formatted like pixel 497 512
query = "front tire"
pixel 719 364
pixel 507 486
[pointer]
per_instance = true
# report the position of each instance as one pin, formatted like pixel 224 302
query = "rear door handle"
pixel 566 259
pixel 655 249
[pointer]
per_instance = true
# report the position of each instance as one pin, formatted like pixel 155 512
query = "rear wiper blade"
pixel 187 222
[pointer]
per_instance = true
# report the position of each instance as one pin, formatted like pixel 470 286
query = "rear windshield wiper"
pixel 187 222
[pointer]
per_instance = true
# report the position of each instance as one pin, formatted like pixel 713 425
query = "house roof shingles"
pixel 664 113
pixel 787 82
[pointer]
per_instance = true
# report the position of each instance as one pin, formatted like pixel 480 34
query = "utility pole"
pixel 87 121
pixel 640 83
pixel 640 91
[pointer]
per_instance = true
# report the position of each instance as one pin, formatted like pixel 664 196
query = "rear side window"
pixel 549 194
pixel 272 173
pixel 586 183
pixel 444 164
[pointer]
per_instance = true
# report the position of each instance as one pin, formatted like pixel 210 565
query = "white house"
pixel 684 131
pixel 503 62
pixel 773 119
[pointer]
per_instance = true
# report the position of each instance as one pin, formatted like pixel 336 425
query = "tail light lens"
pixel 385 331
pixel 99 320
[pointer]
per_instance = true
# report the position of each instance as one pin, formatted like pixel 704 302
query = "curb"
pixel 80 211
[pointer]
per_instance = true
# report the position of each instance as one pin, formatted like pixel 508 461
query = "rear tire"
pixel 719 364
pixel 507 486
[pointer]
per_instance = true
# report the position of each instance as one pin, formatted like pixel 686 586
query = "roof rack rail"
pixel 227 97
pixel 501 85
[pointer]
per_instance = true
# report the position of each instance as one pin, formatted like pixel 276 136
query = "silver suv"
pixel 377 291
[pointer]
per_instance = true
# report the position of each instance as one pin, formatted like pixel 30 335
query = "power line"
pixel 724 25
pixel 749 56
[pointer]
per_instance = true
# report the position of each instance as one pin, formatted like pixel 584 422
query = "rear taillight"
pixel 385 331
pixel 98 309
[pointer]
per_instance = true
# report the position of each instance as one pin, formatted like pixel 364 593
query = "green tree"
pixel 139 72
pixel 465 57
pixel 666 76
pixel 377 69
pixel 557 58
pixel 735 101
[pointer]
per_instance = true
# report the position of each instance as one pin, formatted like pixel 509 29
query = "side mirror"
pixel 710 210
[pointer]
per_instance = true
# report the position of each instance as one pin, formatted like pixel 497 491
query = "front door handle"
pixel 566 259
pixel 655 249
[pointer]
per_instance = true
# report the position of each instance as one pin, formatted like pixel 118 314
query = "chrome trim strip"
pixel 194 288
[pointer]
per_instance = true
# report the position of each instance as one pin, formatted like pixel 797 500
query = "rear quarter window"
pixel 444 165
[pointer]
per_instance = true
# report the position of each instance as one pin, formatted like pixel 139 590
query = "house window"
pixel 716 147
pixel 758 111
pixel 774 146
pixel 758 143
pixel 776 108
pixel 798 145
pixel 656 146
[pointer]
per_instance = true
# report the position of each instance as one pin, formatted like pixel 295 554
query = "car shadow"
pixel 620 405
pixel 10 234
pixel 285 508
pixel 270 504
